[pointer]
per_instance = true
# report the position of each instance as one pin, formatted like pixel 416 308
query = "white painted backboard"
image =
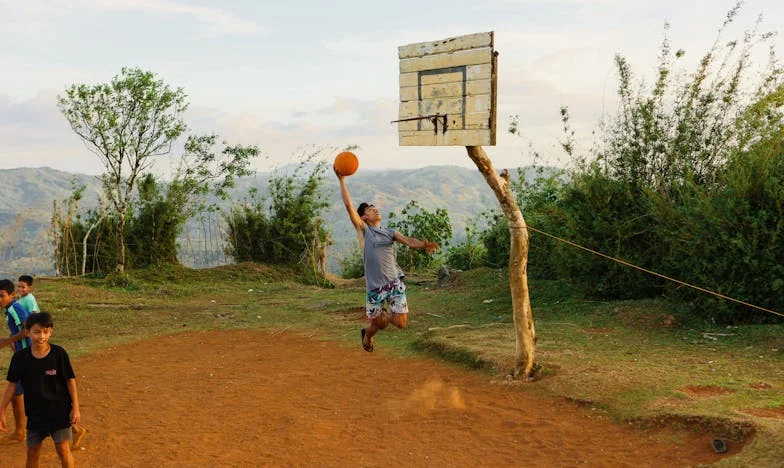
pixel 456 78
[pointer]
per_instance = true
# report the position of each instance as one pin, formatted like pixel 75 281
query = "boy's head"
pixel 368 213
pixel 42 319
pixel 25 285
pixel 6 292
pixel 39 327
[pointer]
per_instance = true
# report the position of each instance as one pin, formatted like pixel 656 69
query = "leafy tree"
pixel 418 222
pixel 203 170
pixel 126 123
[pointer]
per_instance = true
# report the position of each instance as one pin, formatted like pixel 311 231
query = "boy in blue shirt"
pixel 24 287
pixel 15 315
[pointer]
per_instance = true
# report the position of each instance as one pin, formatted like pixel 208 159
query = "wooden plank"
pixel 450 138
pixel 494 102
pixel 469 41
pixel 473 72
pixel 452 59
pixel 469 105
pixel 454 121
pixel 446 90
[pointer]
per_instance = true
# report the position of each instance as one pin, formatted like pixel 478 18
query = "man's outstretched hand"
pixel 431 247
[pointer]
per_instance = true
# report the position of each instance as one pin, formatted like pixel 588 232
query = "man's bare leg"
pixel 374 326
pixel 398 320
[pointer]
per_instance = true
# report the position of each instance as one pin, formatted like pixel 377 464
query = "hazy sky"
pixel 286 74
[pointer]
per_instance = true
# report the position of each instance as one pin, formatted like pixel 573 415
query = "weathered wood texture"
pixel 470 41
pixel 455 77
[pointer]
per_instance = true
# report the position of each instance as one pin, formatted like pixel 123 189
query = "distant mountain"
pixel 27 195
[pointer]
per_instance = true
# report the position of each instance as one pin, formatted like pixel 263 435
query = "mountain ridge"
pixel 28 194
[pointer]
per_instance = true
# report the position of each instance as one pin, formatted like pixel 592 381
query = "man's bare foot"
pixel 367 345
pixel 78 434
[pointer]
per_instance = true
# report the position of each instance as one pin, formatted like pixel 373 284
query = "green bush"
pixel 685 179
pixel 469 253
pixel 496 240
pixel 733 238
pixel 280 230
pixel 414 221
pixel 152 232
pixel 353 266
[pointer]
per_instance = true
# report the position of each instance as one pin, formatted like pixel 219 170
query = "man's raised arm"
pixel 352 212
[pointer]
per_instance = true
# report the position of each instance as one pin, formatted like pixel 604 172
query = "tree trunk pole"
pixel 525 334
pixel 121 240
pixel 56 235
pixel 84 244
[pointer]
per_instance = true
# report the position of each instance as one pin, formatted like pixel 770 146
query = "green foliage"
pixel 541 200
pixel 160 217
pixel 615 218
pixel 684 179
pixel 119 280
pixel 126 123
pixel 204 170
pixel 152 232
pixel 280 229
pixel 422 224
pixel 496 240
pixel 352 266
pixel 469 253
pixel 154 220
pixel 733 237
pixel 96 227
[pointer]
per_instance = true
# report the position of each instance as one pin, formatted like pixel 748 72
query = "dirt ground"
pixel 249 398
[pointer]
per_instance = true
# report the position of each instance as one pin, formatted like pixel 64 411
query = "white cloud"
pixel 217 20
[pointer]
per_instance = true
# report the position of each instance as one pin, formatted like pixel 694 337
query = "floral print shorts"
pixel 394 294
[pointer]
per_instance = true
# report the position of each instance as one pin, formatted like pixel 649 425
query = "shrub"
pixel 422 224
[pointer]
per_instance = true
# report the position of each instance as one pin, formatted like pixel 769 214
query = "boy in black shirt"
pixel 49 383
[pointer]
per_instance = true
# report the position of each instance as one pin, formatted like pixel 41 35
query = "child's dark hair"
pixel 7 285
pixel 27 279
pixel 44 319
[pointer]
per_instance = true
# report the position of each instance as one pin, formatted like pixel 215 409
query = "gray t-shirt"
pixel 379 256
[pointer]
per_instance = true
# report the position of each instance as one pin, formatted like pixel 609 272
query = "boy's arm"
pixel 75 414
pixel 13 338
pixel 359 225
pixel 415 243
pixel 9 393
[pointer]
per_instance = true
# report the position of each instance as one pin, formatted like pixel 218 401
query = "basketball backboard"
pixel 448 92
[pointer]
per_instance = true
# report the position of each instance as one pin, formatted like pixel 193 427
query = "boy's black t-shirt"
pixel 45 382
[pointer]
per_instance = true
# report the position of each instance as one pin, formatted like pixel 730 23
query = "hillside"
pixel 27 195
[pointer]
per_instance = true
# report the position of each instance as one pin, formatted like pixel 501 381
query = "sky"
pixel 293 75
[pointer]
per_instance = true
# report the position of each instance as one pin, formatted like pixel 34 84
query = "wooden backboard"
pixel 448 92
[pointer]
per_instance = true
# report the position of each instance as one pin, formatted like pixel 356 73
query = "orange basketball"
pixel 346 163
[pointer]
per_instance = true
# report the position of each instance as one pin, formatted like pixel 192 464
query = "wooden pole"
pixel 525 334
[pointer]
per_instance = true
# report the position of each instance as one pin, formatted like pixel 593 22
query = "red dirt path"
pixel 247 398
